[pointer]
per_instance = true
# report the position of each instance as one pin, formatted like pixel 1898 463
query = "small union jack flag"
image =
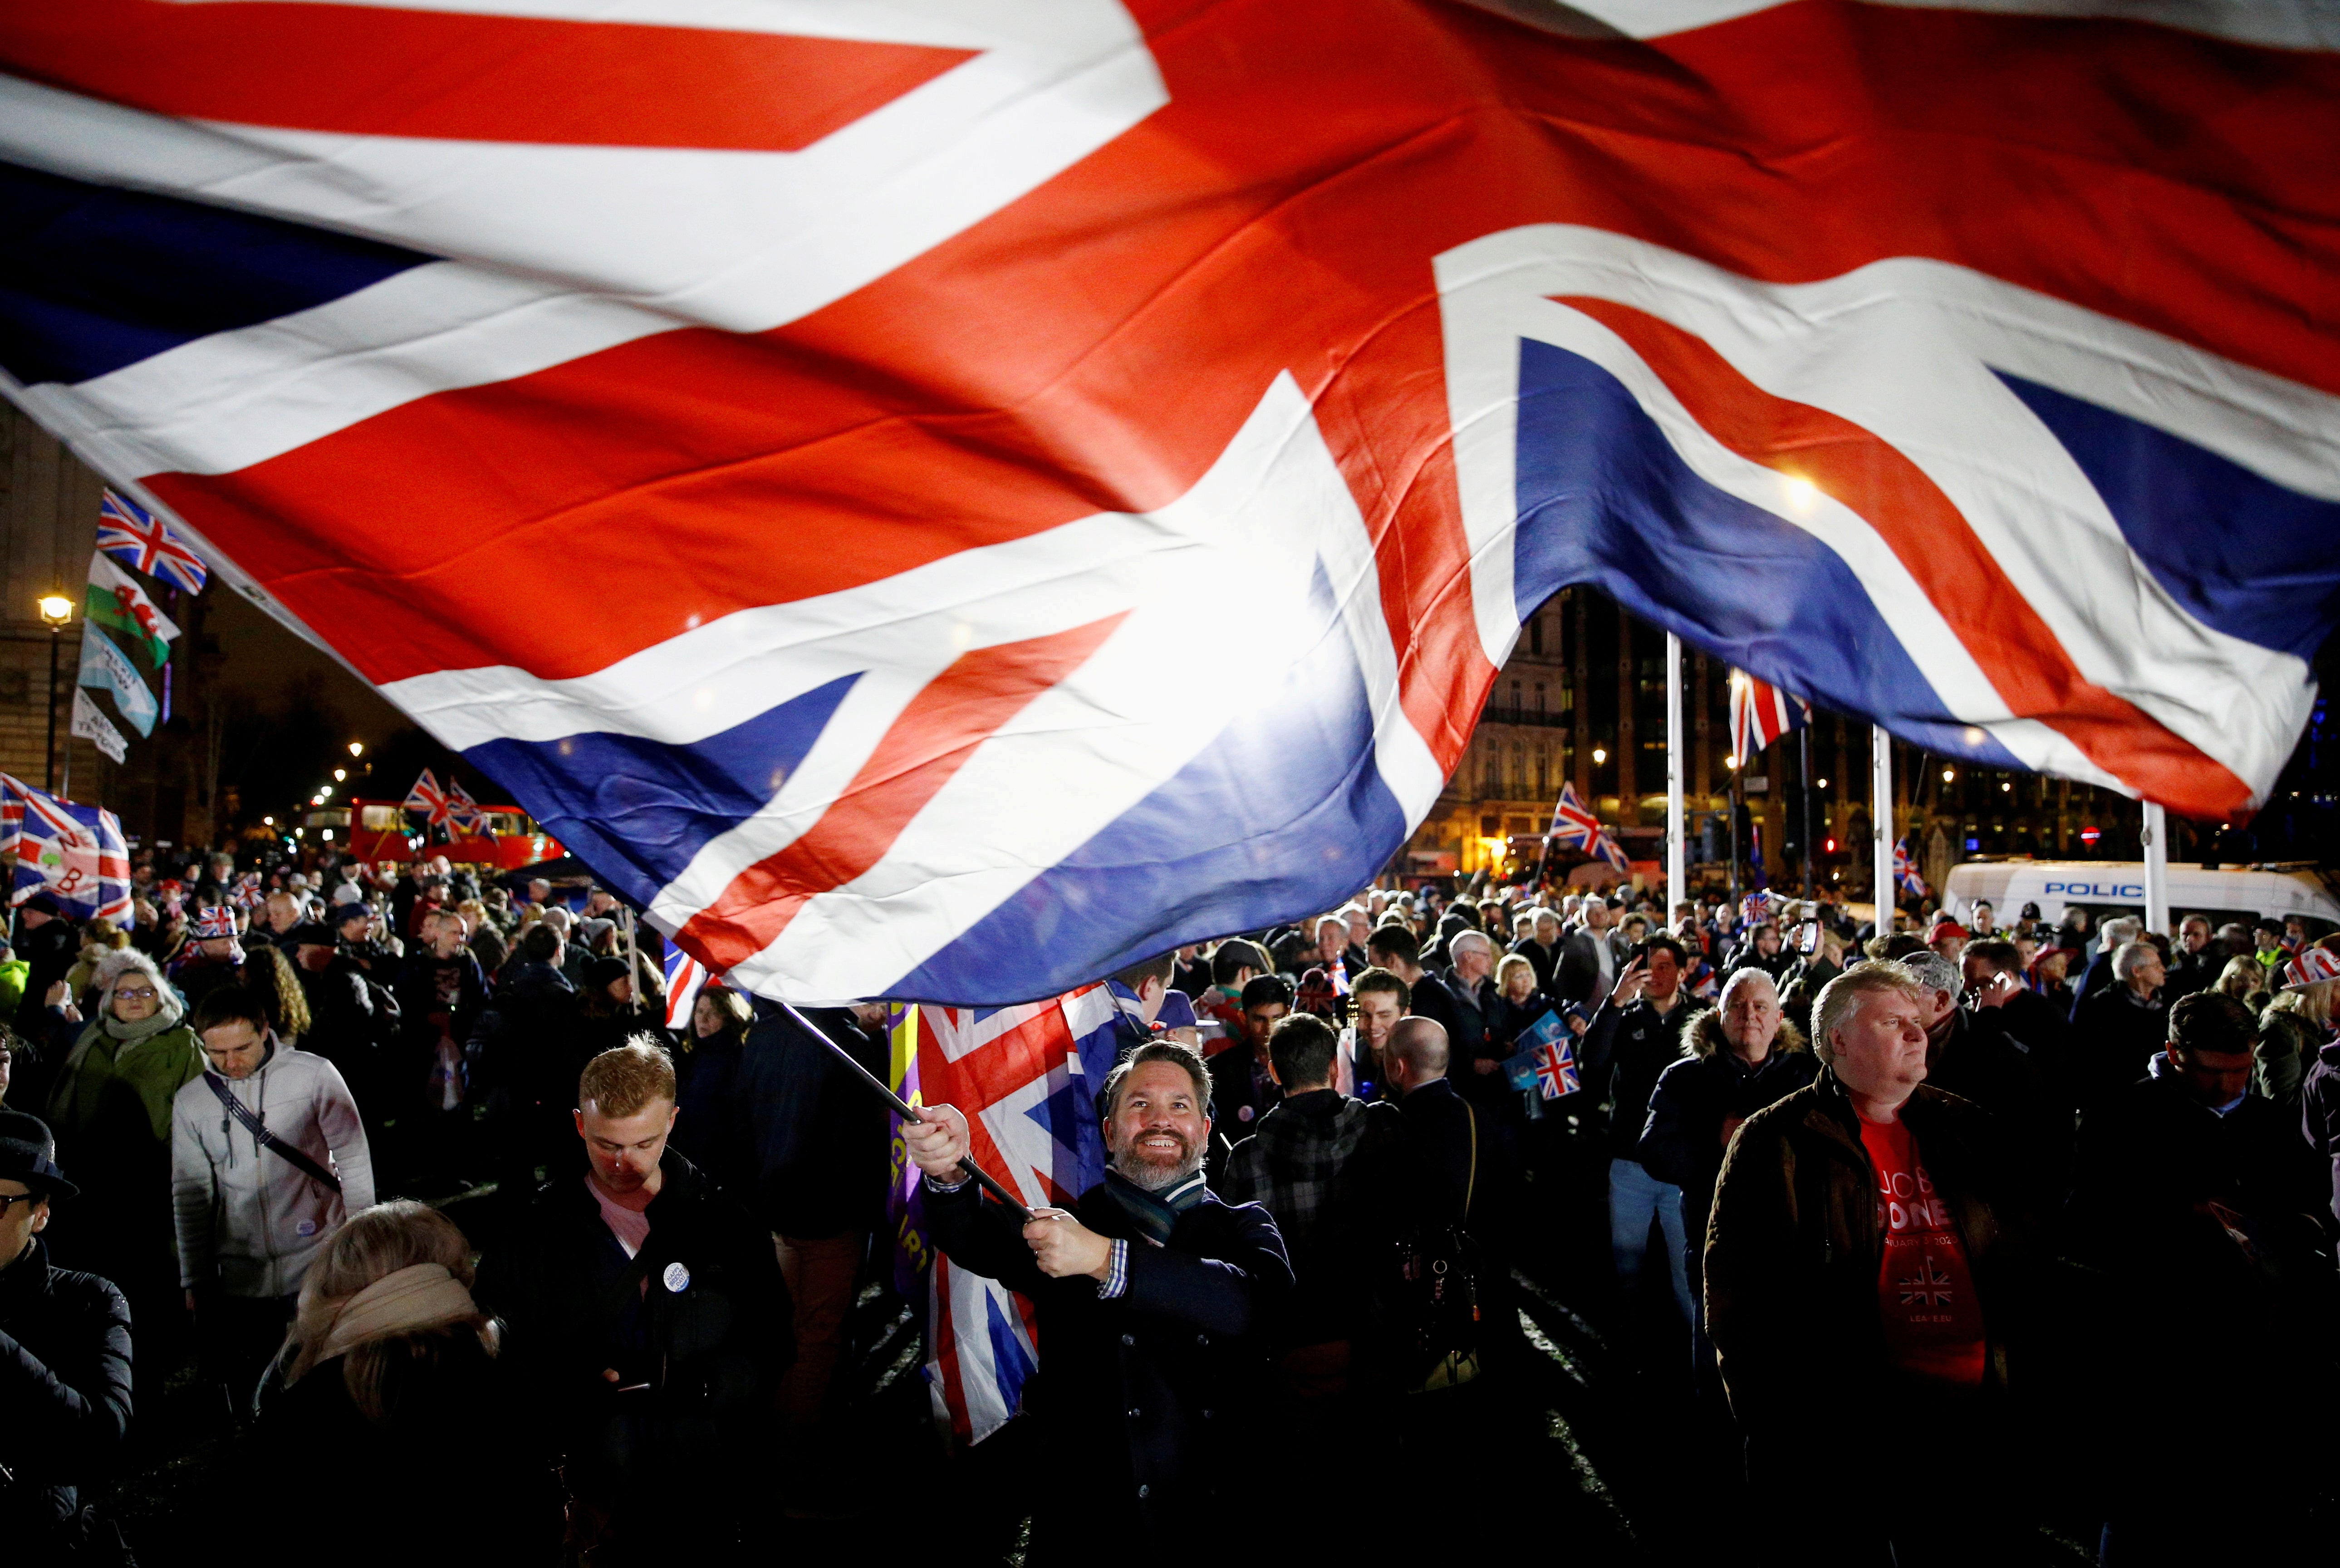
pixel 1760 713
pixel 1758 907
pixel 1555 1070
pixel 136 537
pixel 1929 1286
pixel 1573 824
pixel 685 977
pixel 1905 870
pixel 463 811
pixel 428 797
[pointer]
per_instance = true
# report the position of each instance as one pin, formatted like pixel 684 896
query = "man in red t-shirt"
pixel 1858 1275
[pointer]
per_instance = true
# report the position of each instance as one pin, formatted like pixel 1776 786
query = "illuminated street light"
pixel 1600 755
pixel 1948 777
pixel 357 747
pixel 340 774
pixel 268 821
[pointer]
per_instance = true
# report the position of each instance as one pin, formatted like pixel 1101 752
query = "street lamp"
pixel 1600 755
pixel 357 747
pixel 340 774
pixel 56 610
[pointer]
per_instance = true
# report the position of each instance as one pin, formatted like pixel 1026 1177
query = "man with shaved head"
pixel 1457 1164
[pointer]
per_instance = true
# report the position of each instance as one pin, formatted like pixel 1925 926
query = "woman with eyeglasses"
pixel 110 1107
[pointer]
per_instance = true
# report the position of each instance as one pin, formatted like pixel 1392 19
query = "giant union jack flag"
pixel 941 499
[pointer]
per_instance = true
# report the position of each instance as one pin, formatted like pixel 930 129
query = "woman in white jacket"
pixel 268 1157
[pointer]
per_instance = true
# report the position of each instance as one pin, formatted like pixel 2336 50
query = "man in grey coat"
pixel 268 1157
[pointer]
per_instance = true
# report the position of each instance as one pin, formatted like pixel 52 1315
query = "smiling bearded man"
pixel 1150 1295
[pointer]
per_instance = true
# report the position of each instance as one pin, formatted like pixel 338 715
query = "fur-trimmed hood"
pixel 1703 1034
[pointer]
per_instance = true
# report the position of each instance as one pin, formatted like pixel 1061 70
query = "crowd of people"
pixel 1932 1191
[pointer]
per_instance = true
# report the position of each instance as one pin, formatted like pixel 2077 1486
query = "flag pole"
pixel 1676 852
pixel 633 957
pixel 1880 822
pixel 1804 783
pixel 904 1109
pixel 2156 836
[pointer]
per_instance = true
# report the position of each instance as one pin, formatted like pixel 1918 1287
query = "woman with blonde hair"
pixel 392 1368
pixel 2296 1025
pixel 2245 979
pixel 269 975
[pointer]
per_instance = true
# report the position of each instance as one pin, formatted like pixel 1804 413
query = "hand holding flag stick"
pixel 913 1116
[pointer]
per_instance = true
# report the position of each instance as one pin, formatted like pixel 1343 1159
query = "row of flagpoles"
pixel 129 535
pixel 1760 714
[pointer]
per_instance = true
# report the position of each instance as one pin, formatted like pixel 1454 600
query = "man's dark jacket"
pixel 1977 1059
pixel 49 954
pixel 1794 1246
pixel 1681 1141
pixel 2115 1036
pixel 1150 1390
pixel 2153 1159
pixel 1622 1052
pixel 1576 977
pixel 346 1021
pixel 701 1315
pixel 65 1392
pixel 2319 1116
pixel 807 1146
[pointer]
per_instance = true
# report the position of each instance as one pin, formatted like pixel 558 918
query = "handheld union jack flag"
pixel 870 538
pixel 1555 1070
pixel 75 853
pixel 1572 824
pixel 1546 1059
pixel 1905 870
pixel 685 977
pixel 432 800
pixel 130 533
pixel 1760 713
pixel 1027 1077
pixel 1757 906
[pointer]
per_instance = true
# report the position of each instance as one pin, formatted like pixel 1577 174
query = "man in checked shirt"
pixel 1152 1297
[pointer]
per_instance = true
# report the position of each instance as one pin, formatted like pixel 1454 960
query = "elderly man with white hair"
pixel 2111 935
pixel 1864 1262
pixel 1477 1062
pixel 2118 1032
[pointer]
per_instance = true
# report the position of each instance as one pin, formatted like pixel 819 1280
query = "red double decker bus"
pixel 385 830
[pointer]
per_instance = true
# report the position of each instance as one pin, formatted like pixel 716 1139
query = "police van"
pixel 2104 887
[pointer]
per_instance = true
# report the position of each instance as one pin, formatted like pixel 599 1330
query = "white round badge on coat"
pixel 677 1278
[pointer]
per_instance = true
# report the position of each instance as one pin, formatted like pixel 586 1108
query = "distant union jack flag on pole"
pixel 136 537
pixel 1760 713
pixel 1572 824
pixel 1905 869
pixel 428 797
pixel 462 810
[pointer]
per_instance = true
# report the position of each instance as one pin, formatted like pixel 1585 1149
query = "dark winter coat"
pixel 1153 1388
pixel 1795 1242
pixel 1624 1051
pixel 499 1504
pixel 2319 1116
pixel 2115 1035
pixel 64 1387
pixel 810 1139
pixel 1683 1138
pixel 700 1315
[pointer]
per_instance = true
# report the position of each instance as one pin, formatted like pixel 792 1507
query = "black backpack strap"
pixel 268 1141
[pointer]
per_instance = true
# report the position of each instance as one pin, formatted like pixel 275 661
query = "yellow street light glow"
pixel 1948 777
pixel 1820 783
pixel 1600 754
pixel 357 747
pixel 268 821
pixel 56 608
pixel 1733 763
pixel 325 791
pixel 2006 787
pixel 340 774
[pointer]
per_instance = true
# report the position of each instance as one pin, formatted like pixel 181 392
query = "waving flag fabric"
pixel 75 853
pixel 1027 1077
pixel 1760 713
pixel 131 533
pixel 114 599
pixel 106 667
pixel 1573 824
pixel 463 813
pixel 1022 483
pixel 428 798
pixel 1905 869
pixel 90 722
pixel 685 977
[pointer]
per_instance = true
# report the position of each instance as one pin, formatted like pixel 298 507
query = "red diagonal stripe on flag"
pixel 988 1074
pixel 374 70
pixel 932 740
pixel 2018 652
